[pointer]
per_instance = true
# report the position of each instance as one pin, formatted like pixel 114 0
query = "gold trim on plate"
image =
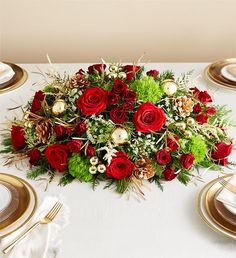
pixel 203 217
pixel 33 208
pixel 16 81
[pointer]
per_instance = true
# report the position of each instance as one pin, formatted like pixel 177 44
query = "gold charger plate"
pixel 27 204
pixel 206 216
pixel 16 81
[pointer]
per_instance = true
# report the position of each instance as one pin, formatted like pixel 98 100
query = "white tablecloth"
pixel 106 225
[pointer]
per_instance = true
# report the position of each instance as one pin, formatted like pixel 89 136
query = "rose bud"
pixel 118 115
pixel 74 145
pixel 90 151
pixel 197 108
pixel 169 173
pixel 130 96
pixel 172 144
pixel 34 156
pixel 204 97
pixel 210 111
pixel 112 98
pixel 153 73
pixel 96 67
pixel 187 160
pixel 18 137
pixel 201 119
pixel 80 128
pixel 222 150
pixel 131 70
pixel 59 130
pixel 163 157
pixel 119 87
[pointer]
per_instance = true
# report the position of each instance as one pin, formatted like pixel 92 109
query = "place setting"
pixel 12 76
pixel 27 217
pixel 222 73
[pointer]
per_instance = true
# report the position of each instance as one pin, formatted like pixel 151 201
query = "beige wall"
pixel 85 30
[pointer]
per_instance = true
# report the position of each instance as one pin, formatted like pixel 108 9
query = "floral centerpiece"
pixel 118 124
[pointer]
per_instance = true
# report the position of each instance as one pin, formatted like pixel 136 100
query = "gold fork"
pixel 47 219
pixel 228 185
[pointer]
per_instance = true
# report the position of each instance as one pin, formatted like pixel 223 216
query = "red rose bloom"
pixel 127 106
pixel 197 108
pixel 39 95
pixel 130 96
pixel 149 118
pixel 74 145
pixel 34 156
pixel 187 160
pixel 18 137
pixel 222 150
pixel 112 98
pixel 210 111
pixel 204 97
pixel 57 156
pixel 153 73
pixel 163 157
pixel 169 173
pixel 96 67
pixel 119 87
pixel 59 130
pixel 80 128
pixel 90 151
pixel 121 166
pixel 172 144
pixel 201 119
pixel 118 115
pixel 93 101
pixel 131 70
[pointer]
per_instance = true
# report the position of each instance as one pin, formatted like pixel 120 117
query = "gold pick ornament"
pixel 170 87
pixel 119 136
pixel 59 107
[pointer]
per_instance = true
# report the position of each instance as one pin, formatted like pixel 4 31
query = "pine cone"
pixel 184 105
pixel 44 131
pixel 144 168
pixel 79 81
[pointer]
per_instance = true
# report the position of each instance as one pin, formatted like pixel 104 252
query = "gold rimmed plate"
pixel 21 207
pixel 225 228
pixel 16 81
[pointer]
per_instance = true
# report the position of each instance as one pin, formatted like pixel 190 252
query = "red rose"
pixel 195 91
pixel 90 151
pixel 80 128
pixel 153 73
pixel 197 108
pixel 74 145
pixel 34 156
pixel 112 98
pixel 187 160
pixel 59 130
pixel 204 97
pixel 121 166
pixel 163 157
pixel 130 96
pixel 18 137
pixel 149 118
pixel 57 156
pixel 127 106
pixel 93 101
pixel 210 111
pixel 222 150
pixel 36 103
pixel 119 87
pixel 201 119
pixel 131 70
pixel 96 67
pixel 169 173
pixel 118 115
pixel 69 130
pixel 172 144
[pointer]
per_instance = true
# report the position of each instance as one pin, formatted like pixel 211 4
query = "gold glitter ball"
pixel 119 136
pixel 59 107
pixel 170 87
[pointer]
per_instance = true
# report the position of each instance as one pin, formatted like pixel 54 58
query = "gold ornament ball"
pixel 112 75
pixel 101 168
pixel 170 87
pixel 119 136
pixel 94 161
pixel 113 68
pixel 122 75
pixel 59 107
pixel 190 121
pixel 181 125
pixel 93 170
pixel 188 134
